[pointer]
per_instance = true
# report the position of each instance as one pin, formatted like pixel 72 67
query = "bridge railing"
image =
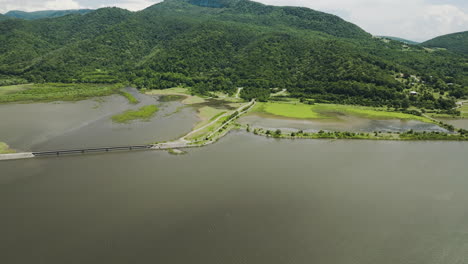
pixel 90 150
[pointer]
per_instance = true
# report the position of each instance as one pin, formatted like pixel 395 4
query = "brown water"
pixel 246 199
pixel 459 123
pixel 59 125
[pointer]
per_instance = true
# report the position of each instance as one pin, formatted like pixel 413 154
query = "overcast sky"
pixel 412 19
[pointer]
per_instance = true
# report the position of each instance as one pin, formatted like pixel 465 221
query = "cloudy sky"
pixel 412 19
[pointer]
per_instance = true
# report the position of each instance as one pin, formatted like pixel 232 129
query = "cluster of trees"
pixel 412 135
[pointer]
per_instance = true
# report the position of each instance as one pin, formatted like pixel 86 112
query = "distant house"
pixel 413 93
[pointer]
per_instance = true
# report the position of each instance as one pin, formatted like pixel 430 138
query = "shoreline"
pixel 220 125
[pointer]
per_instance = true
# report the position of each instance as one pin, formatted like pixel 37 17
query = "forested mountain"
pixel 401 40
pixel 45 13
pixel 457 42
pixel 223 44
pixel 3 17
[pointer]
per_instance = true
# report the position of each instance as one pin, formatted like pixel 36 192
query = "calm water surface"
pixel 345 123
pixel 65 125
pixel 459 123
pixel 245 199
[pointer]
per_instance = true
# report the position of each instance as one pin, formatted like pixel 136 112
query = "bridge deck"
pixel 90 150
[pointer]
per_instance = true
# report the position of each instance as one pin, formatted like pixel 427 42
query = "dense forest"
pixel 457 42
pixel 45 14
pixel 219 45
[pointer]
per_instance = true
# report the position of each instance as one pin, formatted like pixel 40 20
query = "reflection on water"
pixel 43 126
pixel 244 200
pixel 346 123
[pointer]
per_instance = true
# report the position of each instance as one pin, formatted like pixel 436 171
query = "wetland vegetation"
pixel 55 92
pixel 5 149
pixel 143 114
pixel 131 99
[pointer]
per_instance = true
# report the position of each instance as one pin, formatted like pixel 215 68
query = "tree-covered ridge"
pixel 457 42
pixel 241 44
pixel 253 13
pixel 45 13
pixel 400 40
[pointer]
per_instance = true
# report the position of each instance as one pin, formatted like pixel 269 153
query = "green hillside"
pixel 45 13
pixel 400 40
pixel 213 45
pixel 457 42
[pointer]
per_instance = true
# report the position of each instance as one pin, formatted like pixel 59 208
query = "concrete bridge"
pixel 90 150
pixel 27 155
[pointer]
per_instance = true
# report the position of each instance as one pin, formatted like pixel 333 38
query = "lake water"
pixel 245 199
pixel 44 126
pixel 459 123
pixel 345 123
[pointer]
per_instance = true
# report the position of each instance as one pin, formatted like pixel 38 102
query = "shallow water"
pixel 458 123
pixel 353 124
pixel 246 199
pixel 44 126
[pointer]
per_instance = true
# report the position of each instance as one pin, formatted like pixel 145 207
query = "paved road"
pixel 238 92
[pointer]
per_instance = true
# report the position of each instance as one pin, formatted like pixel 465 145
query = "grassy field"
pixel 464 111
pixel 5 149
pixel 5 90
pixel 299 111
pixel 54 92
pixel 324 111
pixel 144 114
pixel 208 114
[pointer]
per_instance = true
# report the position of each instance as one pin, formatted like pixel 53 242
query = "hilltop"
pixel 457 42
pixel 45 13
pixel 219 45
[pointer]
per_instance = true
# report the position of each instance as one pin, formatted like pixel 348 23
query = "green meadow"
pixel 329 111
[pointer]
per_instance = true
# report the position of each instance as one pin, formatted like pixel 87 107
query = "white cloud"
pixel 412 19
pixel 34 5
pixel 61 4
pixel 135 5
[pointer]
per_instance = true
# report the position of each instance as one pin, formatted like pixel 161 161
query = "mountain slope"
pixel 401 40
pixel 45 13
pixel 249 12
pixel 457 42
pixel 212 45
